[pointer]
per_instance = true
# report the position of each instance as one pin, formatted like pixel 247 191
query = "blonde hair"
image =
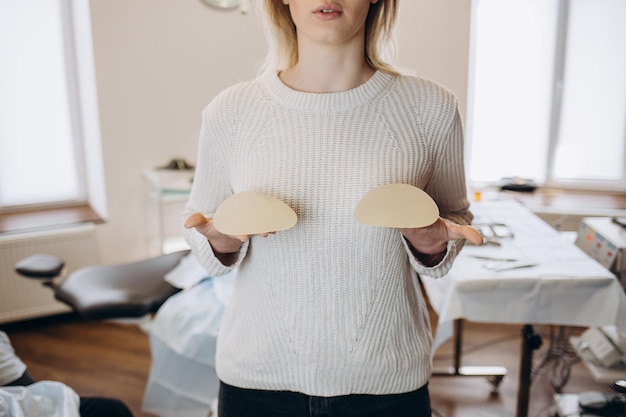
pixel 380 46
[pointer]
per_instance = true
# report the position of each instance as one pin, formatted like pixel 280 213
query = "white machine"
pixel 604 239
pixel 606 345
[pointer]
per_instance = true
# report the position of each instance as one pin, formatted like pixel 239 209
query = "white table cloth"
pixel 564 287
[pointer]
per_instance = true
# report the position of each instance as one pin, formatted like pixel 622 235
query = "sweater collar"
pixel 288 97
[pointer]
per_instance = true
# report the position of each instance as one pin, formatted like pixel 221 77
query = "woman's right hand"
pixel 221 243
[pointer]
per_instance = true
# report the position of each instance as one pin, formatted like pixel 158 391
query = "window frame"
pixel 90 204
pixel 556 105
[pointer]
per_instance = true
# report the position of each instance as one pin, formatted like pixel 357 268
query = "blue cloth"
pixel 183 336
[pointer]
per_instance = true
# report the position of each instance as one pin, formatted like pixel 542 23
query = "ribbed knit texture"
pixel 329 307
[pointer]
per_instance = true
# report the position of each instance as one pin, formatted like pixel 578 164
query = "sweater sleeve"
pixel 210 184
pixel 447 184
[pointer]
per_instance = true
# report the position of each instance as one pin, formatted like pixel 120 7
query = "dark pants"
pixel 103 407
pixel 238 402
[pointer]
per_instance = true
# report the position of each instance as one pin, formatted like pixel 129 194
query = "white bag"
pixel 41 399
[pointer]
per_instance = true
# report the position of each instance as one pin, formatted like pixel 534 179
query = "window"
pixel 49 131
pixel 547 93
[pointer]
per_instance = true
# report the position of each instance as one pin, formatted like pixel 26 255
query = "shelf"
pixel 167 197
pixel 169 181
pixel 167 191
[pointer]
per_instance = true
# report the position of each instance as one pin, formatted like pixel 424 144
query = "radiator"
pixel 22 298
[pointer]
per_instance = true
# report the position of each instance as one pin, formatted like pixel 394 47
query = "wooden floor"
pixel 113 359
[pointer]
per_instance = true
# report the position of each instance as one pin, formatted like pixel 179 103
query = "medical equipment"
pixel 127 290
pixel 186 308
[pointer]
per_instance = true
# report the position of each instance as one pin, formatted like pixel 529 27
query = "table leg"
pixel 530 341
pixel 494 374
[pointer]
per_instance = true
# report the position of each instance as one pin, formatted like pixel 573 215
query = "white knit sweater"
pixel 329 307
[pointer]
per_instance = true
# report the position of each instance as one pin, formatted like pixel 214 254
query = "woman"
pixel 326 318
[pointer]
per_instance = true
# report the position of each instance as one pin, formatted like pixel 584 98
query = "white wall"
pixel 159 62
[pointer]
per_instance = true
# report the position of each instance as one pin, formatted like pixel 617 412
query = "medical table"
pixel 533 277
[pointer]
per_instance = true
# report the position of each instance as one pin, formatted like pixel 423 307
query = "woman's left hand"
pixel 433 239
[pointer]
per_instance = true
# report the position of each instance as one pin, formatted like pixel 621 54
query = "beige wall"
pixel 159 62
pixel 433 38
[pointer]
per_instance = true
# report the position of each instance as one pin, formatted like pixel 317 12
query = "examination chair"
pixel 100 292
pixel 183 330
